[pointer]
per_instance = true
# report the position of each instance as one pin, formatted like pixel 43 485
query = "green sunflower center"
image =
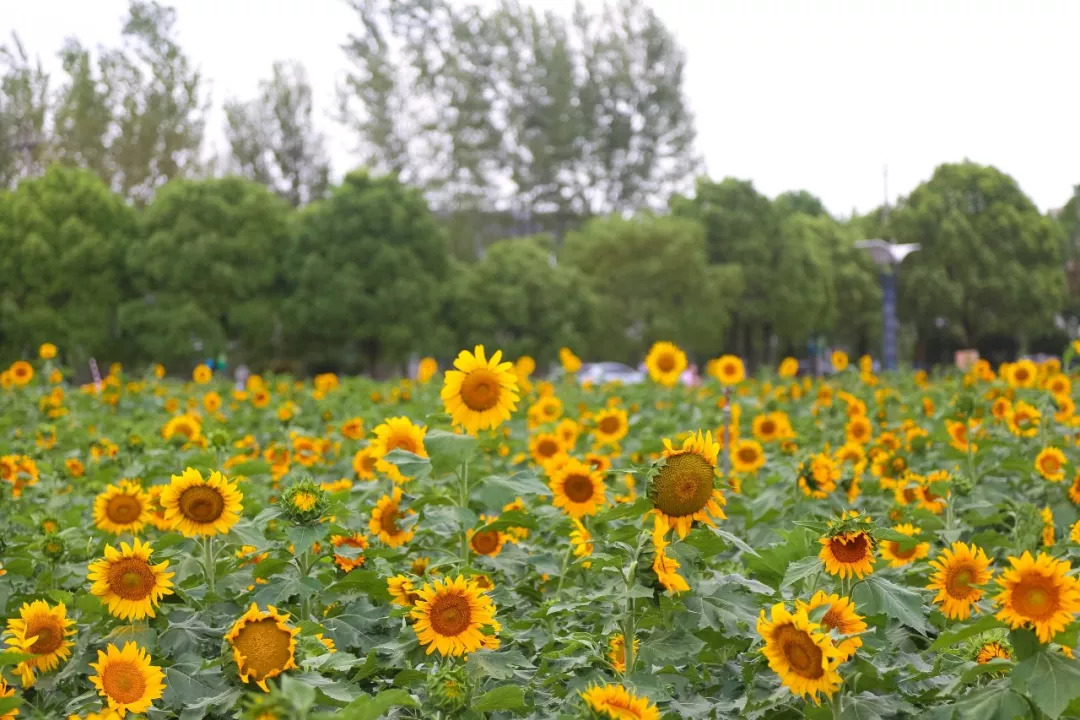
pixel 684 485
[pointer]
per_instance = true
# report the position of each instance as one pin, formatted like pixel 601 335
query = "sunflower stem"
pixel 463 503
pixel 836 703
pixel 562 573
pixel 209 561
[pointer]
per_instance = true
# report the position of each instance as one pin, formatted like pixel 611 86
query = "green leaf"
pixel 867 706
pixel 1024 643
pixel 996 702
pixel 951 637
pixel 300 694
pixel 10 703
pixel 268 567
pixel 303 537
pixel 251 467
pixel 373 708
pixel 511 518
pixel 800 570
pixel 504 697
pixel 625 510
pixel 367 581
pixel 1049 679
pixel 410 464
pixel 736 541
pixel 13 657
pixel 448 450
pixel 876 595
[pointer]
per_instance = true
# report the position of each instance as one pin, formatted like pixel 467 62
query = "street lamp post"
pixel 887 256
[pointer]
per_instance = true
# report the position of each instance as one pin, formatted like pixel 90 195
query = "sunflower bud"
pixel 965 404
pixel 304 502
pixel 219 439
pixel 54 548
pixel 449 688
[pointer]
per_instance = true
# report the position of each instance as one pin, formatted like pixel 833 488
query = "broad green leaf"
pixel 1049 679
pixel 876 595
pixel 953 636
pixel 800 570
pixel 504 697
pixel 373 708
pixel 447 450
pixel 410 464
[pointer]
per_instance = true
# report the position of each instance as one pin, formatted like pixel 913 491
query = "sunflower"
pixel 356 540
pixel 75 467
pixel 1023 374
pixel 839 360
pixel 1074 489
pixel 840 617
pixel 127 583
pixel 799 652
pixel 7 692
pixel 22 372
pixel 848 553
pixel 1047 516
pixel 1024 419
pixel 991 651
pixel 122 508
pixel 665 363
pixel 426 370
pixel 571 363
pixel 897 554
pixel 195 506
pixel 202 374
pixel 611 426
pixel 450 616
pixel 41 631
pixel 385 517
pixel 1000 408
pixel 263 645
pixel 578 488
pixel 486 542
pixel 188 427
pixel 618 703
pixel 789 368
pixel 364 461
pixel 480 394
pixel 1066 409
pixel 548 408
pixel 960 435
pixel 545 447
pixel 729 370
pixel 581 541
pixel 397 433
pixel 353 428
pixel 958 572
pixel 683 489
pixel 665 566
pixel 1051 464
pixel 747 456
pixel 1058 385
pixel 859 430
pixel 126 679
pixel 1038 592
pixel 617 651
pixel 769 427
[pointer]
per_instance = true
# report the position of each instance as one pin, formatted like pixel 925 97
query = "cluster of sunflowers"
pixel 500 545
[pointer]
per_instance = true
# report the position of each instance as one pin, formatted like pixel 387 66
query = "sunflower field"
pixel 478 542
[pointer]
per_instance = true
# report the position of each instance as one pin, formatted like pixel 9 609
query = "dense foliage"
pixel 481 543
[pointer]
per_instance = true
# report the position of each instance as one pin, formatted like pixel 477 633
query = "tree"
pixel 990 262
pixel 24 104
pixel 367 266
pixel 273 140
pixel 518 299
pixel 208 273
pixel 653 283
pixel 83 122
pixel 62 240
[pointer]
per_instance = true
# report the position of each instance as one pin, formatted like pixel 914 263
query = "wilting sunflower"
pixel 122 508
pixel 859 430
pixel 358 541
pixel 41 631
pixel 127 583
pixel 729 370
pixel 747 456
pixel 450 616
pixel 1051 464
pixel 900 554
pixel 578 488
pixel 126 679
pixel 611 426
pixel 683 489
pixel 197 506
pixel 665 363
pixel 618 703
pixel 958 573
pixel 841 618
pixel 264 646
pixel 992 651
pixel 1023 374
pixel 363 462
pixel 1038 592
pixel 385 518
pixel 848 553
pixel 397 433
pixel 481 393
pixel 800 652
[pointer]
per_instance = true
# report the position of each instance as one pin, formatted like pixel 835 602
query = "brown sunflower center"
pixel 768 427
pixel 1035 597
pixel 202 504
pixel 578 487
pixel 389 520
pixel 834 620
pixel 123 681
pixel 1051 464
pixel 404 442
pixel 854 550
pixel 547 448
pixel 610 425
pixel 485 542
pixel 747 455
pixel 858 430
pixel 666 362
pixel 480 390
pixel 1021 375
pixel 958 582
pixel 799 649
pixel 729 370
pixel 123 509
pixel 899 552
pixel 131 578
pixel 684 485
pixel 49 634
pixel 450 614
pixel 264 647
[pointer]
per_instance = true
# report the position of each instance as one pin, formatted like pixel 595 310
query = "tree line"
pixel 530 183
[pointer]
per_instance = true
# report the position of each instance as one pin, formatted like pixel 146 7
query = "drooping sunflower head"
pixel 847 552
pixel 481 393
pixel 122 508
pixel 992 651
pixel 1050 463
pixel 126 679
pixel 264 645
pixel 799 652
pixel 958 574
pixel 665 363
pixel 611 426
pixel 386 520
pixel 197 506
pixel 682 485
pixel 1038 592
pixel 578 488
pixel 42 631
pixel 304 502
pixel 840 618
pixel 451 615
pixel 126 581
pixel 618 703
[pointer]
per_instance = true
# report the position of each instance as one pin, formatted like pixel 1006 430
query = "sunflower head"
pixel 665 363
pixel 578 488
pixel 264 645
pixel 1038 592
pixel 386 520
pixel 682 484
pixel 42 631
pixel 196 506
pixel 959 573
pixel 126 679
pixel 1050 463
pixel 128 583
pixel 618 703
pixel 840 618
pixel 480 393
pixel 122 508
pixel 800 652
pixel 304 502
pixel 451 616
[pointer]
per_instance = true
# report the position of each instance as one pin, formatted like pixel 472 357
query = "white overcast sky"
pixel 792 94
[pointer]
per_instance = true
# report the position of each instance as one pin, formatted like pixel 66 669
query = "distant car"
pixel 606 372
